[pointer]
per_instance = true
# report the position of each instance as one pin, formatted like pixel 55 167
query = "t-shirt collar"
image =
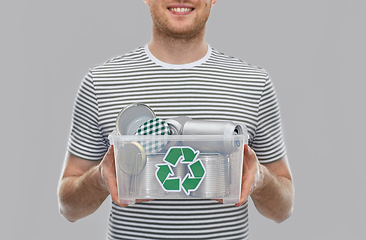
pixel 178 66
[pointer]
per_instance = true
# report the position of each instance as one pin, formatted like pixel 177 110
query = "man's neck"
pixel 178 51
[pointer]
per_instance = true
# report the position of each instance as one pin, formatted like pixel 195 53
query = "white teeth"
pixel 180 9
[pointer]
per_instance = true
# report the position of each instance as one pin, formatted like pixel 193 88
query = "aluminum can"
pixel 206 127
pixel 176 124
pixel 145 184
pixel 179 171
pixel 132 117
pixel 216 183
pixel 175 128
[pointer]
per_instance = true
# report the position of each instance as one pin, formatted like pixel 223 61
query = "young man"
pixel 176 74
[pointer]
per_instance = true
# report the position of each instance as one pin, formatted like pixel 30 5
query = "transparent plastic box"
pixel 178 166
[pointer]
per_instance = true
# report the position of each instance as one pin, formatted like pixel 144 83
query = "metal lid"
pixel 133 157
pixel 154 126
pixel 132 117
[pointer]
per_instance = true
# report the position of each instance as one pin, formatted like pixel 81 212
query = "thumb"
pixel 248 152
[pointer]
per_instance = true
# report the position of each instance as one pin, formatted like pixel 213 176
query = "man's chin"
pixel 185 32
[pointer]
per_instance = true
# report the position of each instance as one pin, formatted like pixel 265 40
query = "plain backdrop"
pixel 313 50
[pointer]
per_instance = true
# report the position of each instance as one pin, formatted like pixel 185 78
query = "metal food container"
pixel 217 181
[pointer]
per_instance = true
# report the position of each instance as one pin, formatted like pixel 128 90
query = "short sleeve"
pixel 86 139
pixel 268 141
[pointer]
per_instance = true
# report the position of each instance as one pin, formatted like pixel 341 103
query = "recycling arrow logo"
pixel 191 181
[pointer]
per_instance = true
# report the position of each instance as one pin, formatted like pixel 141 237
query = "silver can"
pixel 206 127
pixel 216 183
pixel 131 117
pixel 176 124
pixel 145 184
pixel 175 128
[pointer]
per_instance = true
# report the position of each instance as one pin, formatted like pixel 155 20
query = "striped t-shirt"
pixel 217 87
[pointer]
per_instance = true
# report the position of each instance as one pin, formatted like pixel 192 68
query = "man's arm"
pixel 85 184
pixel 269 185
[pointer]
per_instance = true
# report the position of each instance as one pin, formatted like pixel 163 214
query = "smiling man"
pixel 179 28
pixel 176 74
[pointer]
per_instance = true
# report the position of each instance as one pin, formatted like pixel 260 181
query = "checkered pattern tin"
pixel 154 126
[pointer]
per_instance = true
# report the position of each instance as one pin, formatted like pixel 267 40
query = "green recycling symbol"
pixel 185 155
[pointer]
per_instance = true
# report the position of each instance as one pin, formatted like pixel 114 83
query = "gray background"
pixel 314 51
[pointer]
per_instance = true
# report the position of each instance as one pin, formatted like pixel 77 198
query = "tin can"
pixel 132 117
pixel 206 127
pixel 216 183
pixel 175 128
pixel 176 124
pixel 145 183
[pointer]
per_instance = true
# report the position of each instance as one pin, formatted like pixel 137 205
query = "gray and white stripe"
pixel 197 219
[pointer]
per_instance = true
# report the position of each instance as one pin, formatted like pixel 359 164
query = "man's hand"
pixel 85 185
pixel 107 169
pixel 252 176
pixel 269 185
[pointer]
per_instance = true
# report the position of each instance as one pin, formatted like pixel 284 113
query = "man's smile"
pixel 180 9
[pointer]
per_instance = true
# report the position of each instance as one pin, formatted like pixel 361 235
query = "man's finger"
pixel 248 152
pixel 110 154
pixel 143 200
pixel 109 175
pixel 248 179
pixel 245 191
pixel 112 186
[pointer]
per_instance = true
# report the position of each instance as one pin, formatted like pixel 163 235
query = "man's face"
pixel 182 19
